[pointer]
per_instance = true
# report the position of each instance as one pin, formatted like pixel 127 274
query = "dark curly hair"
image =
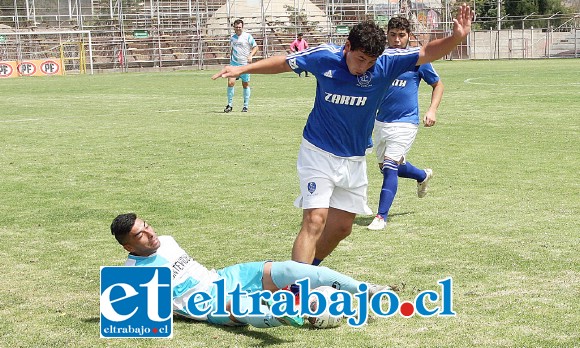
pixel 399 23
pixel 368 38
pixel 122 225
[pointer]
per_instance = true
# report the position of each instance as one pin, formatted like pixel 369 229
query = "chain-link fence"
pixel 168 33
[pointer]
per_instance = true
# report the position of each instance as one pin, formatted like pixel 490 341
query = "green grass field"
pixel 500 217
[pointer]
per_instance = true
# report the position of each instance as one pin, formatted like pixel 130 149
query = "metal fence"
pixel 526 43
pixel 185 33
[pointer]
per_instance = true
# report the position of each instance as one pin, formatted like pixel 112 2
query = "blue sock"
pixel 294 288
pixel 288 272
pixel 409 171
pixel 389 189
pixel 246 96
pixel 230 96
pixel 317 262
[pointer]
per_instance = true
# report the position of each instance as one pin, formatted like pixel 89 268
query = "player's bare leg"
pixel 267 282
pixel 313 222
pixel 338 227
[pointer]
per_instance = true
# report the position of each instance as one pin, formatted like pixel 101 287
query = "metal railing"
pixel 186 34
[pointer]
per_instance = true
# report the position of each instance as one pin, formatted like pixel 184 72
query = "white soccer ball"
pixel 324 320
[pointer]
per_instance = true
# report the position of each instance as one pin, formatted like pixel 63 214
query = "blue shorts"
pixel 247 275
pixel 244 78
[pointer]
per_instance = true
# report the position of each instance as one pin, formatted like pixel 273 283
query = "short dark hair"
pixel 299 34
pixel 122 225
pixel 367 37
pixel 238 21
pixel 399 23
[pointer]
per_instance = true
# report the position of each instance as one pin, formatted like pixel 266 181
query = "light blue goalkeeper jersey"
pixel 401 103
pixel 241 47
pixel 188 276
pixel 345 105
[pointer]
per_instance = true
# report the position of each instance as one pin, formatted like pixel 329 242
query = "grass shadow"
pixel 92 320
pixel 264 337
pixel 366 220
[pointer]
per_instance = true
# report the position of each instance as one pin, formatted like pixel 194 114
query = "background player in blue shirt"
pixel 397 122
pixel 351 82
pixel 243 49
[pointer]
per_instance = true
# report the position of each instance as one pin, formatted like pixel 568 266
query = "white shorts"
pixel 393 140
pixel 328 181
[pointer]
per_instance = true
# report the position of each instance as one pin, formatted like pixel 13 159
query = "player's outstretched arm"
pixel 272 65
pixel 438 48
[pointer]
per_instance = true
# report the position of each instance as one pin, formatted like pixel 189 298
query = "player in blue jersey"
pixel 147 249
pixel 243 49
pixel 397 122
pixel 351 81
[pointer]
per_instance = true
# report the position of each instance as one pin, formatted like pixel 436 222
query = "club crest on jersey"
pixel 311 187
pixel 364 80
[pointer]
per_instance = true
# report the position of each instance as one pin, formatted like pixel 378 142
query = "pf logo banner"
pixel 136 302
pixel 49 67
pixel 26 68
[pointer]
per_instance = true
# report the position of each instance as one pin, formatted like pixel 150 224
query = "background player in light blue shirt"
pixel 397 122
pixel 243 49
pixel 351 81
pixel 189 276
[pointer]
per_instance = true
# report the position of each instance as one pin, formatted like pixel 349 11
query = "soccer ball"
pixel 324 320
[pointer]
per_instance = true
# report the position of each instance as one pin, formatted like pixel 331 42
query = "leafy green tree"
pixel 516 10
pixel 486 14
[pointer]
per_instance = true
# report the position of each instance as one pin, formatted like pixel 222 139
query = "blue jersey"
pixel 345 104
pixel 401 103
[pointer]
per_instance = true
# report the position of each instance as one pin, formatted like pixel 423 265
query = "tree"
pixel 486 14
pixel 516 10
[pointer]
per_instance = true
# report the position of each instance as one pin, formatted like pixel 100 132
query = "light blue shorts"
pixel 244 77
pixel 247 275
